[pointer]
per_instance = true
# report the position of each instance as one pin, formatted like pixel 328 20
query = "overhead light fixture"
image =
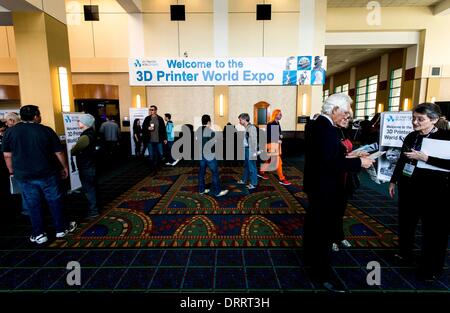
pixel 221 113
pixel 64 89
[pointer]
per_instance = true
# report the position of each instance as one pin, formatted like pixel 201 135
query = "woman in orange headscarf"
pixel 274 148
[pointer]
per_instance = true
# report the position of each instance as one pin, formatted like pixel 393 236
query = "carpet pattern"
pixel 167 211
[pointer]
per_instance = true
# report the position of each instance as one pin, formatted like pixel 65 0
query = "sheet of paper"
pixel 376 155
pixel 435 148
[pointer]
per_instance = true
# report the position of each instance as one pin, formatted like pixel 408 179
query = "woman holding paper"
pixel 422 194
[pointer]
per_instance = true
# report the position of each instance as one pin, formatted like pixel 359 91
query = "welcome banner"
pixel 292 70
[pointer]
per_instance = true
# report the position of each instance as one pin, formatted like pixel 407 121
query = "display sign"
pixel 291 70
pixel 72 133
pixel 137 117
pixel 394 127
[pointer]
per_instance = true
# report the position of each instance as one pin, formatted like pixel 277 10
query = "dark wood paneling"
pixel 9 92
pixel 382 85
pixel 95 91
pixel 410 74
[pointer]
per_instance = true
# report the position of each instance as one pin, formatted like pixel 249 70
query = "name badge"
pixel 408 170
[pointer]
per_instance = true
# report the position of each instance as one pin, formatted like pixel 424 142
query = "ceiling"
pixel 383 3
pixel 342 59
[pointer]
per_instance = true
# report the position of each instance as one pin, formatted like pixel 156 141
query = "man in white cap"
pixel 84 151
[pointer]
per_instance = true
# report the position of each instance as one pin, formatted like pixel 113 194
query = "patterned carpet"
pixel 167 211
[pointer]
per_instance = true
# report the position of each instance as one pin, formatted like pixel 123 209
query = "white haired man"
pixel 325 164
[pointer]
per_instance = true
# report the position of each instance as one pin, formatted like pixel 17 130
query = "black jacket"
pixel 86 158
pixel 325 161
pixel 421 175
pixel 161 129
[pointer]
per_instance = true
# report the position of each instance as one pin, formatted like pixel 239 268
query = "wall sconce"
pixel 405 104
pixel 380 107
pixel 64 89
pixel 304 104
pixel 138 101
pixel 433 99
pixel 221 105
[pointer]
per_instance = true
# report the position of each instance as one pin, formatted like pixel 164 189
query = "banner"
pixel 291 70
pixel 393 129
pixel 136 114
pixel 72 132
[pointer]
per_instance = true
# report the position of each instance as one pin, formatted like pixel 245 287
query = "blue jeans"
pixel 249 169
pixel 88 181
pixel 214 168
pixel 169 157
pixel 32 189
pixel 155 152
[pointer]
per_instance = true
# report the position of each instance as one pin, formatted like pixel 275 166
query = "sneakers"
pixel 250 187
pixel 39 239
pixel 204 191
pixel 72 227
pixel 335 247
pixel 240 182
pixel 175 162
pixel 222 193
pixel 285 182
pixel 346 244
pixel 262 176
pixel 168 163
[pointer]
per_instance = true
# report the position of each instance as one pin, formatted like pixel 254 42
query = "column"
pixel 42 47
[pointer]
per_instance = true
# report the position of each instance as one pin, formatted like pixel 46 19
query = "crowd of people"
pixel 330 174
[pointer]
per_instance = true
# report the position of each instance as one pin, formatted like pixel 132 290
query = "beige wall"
pixel 186 104
pixel 242 99
pixel 444 90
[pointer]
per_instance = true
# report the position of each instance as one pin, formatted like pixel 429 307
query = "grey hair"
pixel 244 116
pixel 432 110
pixel 12 116
pixel 341 101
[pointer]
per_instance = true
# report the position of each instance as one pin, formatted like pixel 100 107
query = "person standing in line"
pixel 205 136
pixel 111 134
pixel 137 137
pixel 37 176
pixel 423 195
pixel 154 135
pixel 85 152
pixel 274 148
pixel 12 119
pixel 350 182
pixel 170 139
pixel 325 163
pixel 250 144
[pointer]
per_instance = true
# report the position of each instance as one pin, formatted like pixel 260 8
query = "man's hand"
pixel 65 173
pixel 165 142
pixel 366 162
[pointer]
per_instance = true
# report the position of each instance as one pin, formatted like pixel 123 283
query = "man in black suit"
pixel 325 164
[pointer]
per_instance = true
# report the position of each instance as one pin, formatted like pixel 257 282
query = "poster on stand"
pixel 72 133
pixel 394 127
pixel 137 114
